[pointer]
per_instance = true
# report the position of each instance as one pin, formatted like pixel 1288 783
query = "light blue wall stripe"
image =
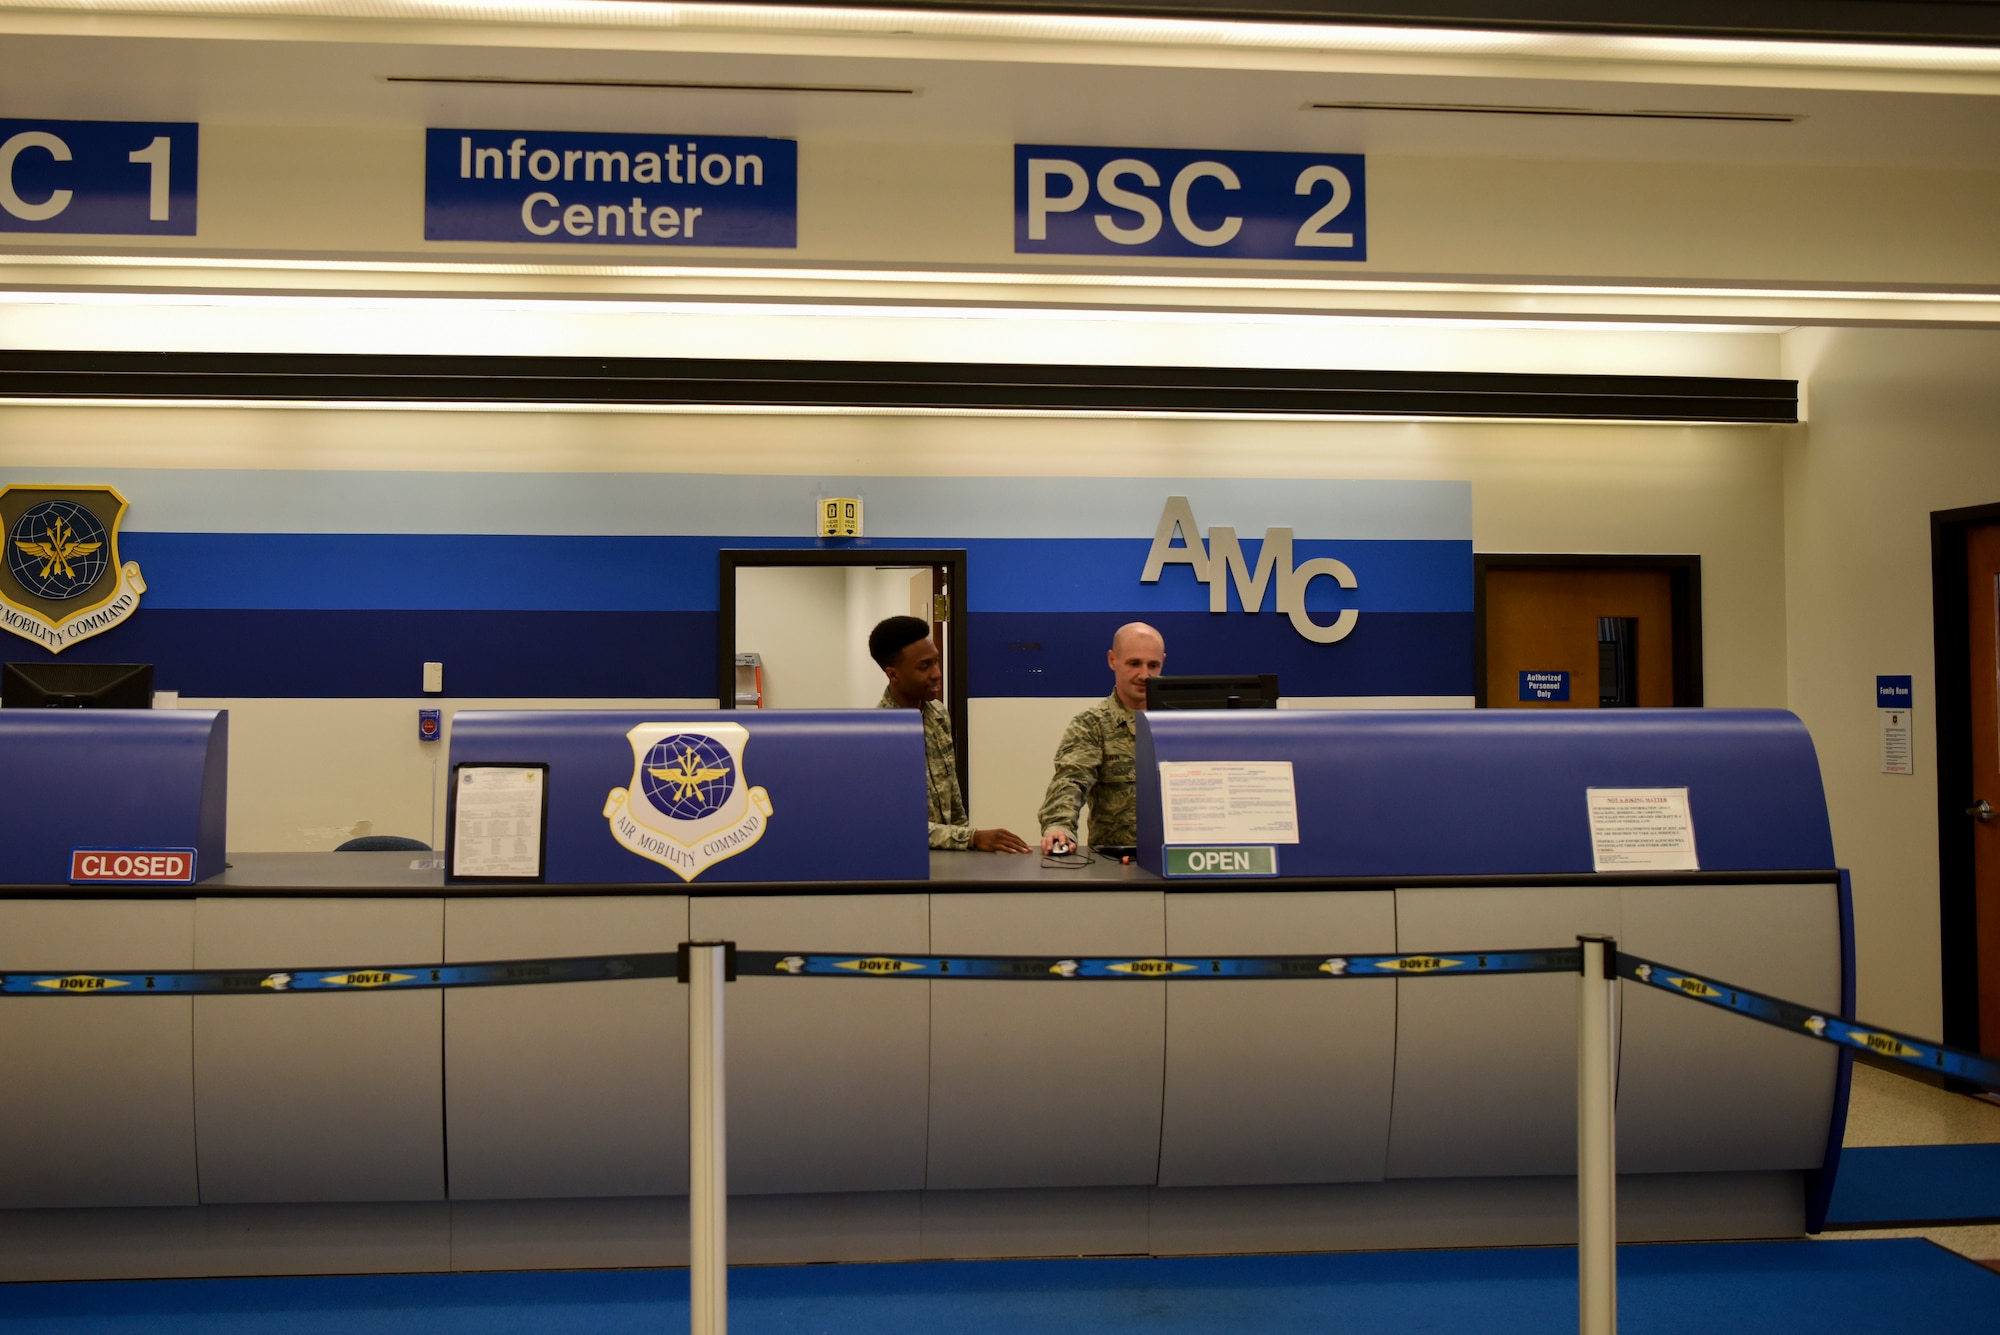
pixel 717 505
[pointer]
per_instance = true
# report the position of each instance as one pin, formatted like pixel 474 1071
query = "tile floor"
pixel 1888 1109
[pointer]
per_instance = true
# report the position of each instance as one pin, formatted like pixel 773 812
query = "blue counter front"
pixel 100 779
pixel 820 795
pixel 1488 793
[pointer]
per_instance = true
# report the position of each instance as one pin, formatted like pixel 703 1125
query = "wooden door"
pixel 1549 619
pixel 1982 553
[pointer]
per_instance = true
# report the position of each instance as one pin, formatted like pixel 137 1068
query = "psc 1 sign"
pixel 107 178
pixel 1072 200
pixel 150 866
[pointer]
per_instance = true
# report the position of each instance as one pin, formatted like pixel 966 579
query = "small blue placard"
pixel 1545 685
pixel 430 724
pixel 101 178
pixel 610 189
pixel 1893 693
pixel 1209 203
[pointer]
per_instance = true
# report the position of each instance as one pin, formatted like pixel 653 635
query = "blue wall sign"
pixel 1893 693
pixel 117 178
pixel 1176 201
pixel 610 189
pixel 1545 685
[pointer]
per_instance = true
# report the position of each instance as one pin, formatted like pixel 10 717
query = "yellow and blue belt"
pixel 778 964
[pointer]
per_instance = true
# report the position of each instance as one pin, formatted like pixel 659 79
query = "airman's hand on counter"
pixel 998 841
pixel 1058 841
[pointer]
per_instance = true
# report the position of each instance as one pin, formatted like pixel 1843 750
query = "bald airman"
pixel 1097 760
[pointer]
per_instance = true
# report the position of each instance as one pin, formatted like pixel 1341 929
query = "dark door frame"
pixel 952 558
pixel 1686 608
pixel 1951 647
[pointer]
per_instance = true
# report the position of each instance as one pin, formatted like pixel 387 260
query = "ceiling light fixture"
pixel 667 85
pixel 1497 109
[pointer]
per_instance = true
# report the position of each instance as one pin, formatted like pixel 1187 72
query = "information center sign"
pixel 610 189
pixel 101 178
pixel 1174 201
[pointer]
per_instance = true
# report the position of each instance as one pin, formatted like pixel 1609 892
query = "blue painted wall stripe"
pixel 1040 654
pixel 556 654
pixel 467 572
pixel 718 505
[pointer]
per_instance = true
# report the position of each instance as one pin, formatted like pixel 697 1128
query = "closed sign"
pixel 1173 201
pixel 150 866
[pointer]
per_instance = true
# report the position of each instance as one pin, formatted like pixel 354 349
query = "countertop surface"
pixel 411 874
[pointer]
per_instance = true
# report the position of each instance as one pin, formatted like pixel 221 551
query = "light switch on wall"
pixel 433 678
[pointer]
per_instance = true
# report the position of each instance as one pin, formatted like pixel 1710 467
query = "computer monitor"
pixel 1260 692
pixel 76 685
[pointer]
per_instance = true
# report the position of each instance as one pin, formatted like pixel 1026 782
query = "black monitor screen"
pixel 1259 692
pixel 76 685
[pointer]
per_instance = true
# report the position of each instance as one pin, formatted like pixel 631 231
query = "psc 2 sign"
pixel 1173 201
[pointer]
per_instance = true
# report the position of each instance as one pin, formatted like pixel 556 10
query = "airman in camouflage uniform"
pixel 902 647
pixel 950 826
pixel 1097 759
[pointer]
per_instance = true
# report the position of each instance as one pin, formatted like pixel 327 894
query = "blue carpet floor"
pixel 1776 1288
pixel 1916 1184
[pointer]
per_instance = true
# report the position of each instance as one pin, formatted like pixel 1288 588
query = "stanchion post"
pixel 1597 1137
pixel 707 966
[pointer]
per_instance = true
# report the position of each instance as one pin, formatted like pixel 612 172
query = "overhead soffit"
pixel 1908 21
pixel 993 76
pixel 960 34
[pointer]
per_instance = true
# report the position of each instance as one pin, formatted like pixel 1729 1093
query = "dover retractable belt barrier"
pixel 778 963
pixel 710 966
pixel 1972 1067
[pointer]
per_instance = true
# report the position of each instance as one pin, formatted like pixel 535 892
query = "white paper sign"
pixel 497 829
pixel 1229 802
pixel 1641 829
pixel 1896 757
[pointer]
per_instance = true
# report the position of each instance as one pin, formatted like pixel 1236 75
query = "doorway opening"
pixel 805 615
pixel 1586 632
pixel 1965 630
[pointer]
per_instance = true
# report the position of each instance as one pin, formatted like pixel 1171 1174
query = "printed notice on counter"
pixel 497 821
pixel 1641 829
pixel 1896 758
pixel 1229 802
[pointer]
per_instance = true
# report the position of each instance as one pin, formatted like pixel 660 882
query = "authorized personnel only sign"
pixel 135 866
pixel 1071 200
pixel 610 189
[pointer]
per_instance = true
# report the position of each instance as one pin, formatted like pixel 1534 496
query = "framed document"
pixel 497 822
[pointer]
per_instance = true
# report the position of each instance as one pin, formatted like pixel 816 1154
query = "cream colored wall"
pixel 1902 422
pixel 306 775
pixel 796 617
pixel 352 190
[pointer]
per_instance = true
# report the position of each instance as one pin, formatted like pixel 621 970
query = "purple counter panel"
pixel 102 779
pixel 844 788
pixel 1501 792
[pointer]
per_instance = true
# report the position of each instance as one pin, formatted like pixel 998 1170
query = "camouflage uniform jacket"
pixel 950 826
pixel 1096 763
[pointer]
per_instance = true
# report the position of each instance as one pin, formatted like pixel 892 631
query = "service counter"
pixel 876 1118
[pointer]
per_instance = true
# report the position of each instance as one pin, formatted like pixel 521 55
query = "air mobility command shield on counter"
pixel 699 797
pixel 62 581
pixel 687 805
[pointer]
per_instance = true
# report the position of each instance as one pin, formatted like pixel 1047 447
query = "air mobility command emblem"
pixel 62 582
pixel 687 807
